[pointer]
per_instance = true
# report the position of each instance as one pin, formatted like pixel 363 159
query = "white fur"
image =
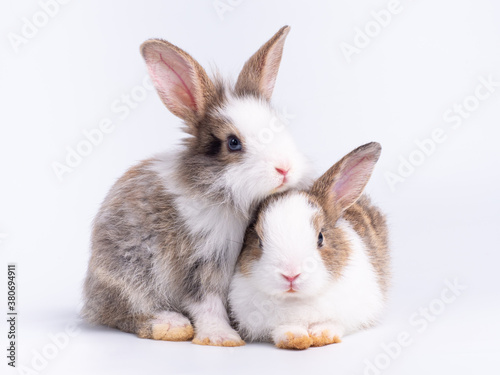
pixel 222 226
pixel 290 245
pixel 267 145
pixel 212 321
pixel 260 303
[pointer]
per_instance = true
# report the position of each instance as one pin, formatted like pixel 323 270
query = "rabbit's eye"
pixel 320 239
pixel 233 143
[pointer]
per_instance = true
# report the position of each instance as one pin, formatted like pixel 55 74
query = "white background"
pixel 444 216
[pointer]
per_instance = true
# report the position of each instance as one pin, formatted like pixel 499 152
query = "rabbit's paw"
pixel 292 338
pixel 224 336
pixel 168 326
pixel 324 334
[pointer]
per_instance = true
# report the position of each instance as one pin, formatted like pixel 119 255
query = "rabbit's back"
pixel 132 232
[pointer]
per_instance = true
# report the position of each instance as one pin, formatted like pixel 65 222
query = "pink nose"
pixel 291 278
pixel 281 171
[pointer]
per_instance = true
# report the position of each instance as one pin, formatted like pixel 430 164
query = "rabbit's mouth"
pixel 282 185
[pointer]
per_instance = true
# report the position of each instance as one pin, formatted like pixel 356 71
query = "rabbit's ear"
pixel 259 72
pixel 343 183
pixel 182 84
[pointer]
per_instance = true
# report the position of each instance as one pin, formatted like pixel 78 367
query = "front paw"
pixel 218 337
pixel 168 326
pixel 292 338
pixel 324 334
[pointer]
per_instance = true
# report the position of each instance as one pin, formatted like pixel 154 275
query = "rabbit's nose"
pixel 291 278
pixel 282 171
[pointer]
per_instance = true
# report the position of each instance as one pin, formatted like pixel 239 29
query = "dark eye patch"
pixel 214 146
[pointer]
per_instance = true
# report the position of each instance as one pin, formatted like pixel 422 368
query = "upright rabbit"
pixel 315 265
pixel 167 236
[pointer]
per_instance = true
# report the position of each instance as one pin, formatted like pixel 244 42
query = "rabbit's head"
pixel 294 248
pixel 239 150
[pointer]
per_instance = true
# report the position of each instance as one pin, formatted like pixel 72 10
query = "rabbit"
pixel 168 234
pixel 315 264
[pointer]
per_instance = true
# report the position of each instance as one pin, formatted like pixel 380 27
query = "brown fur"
pixel 336 249
pixel 207 154
pixel 295 342
pixel 259 72
pixel 366 219
pixel 324 339
pixel 166 333
pixel 252 252
pixel 108 281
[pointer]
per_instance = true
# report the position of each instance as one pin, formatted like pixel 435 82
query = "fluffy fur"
pixel 167 236
pixel 315 264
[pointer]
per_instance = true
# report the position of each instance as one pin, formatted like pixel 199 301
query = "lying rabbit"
pixel 315 265
pixel 168 234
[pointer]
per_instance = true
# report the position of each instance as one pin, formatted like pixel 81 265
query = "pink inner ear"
pixel 173 77
pixel 271 67
pixel 269 74
pixel 346 175
pixel 352 180
pixel 182 81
